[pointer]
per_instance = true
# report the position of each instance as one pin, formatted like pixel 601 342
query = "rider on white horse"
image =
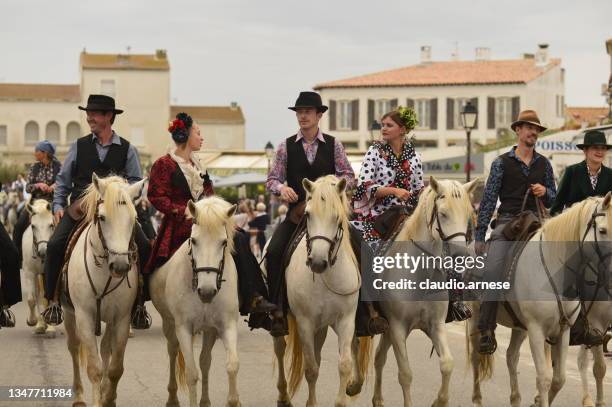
pixel 512 176
pixel 102 152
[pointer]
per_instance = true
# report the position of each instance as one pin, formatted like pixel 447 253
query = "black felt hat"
pixel 309 99
pixel 101 103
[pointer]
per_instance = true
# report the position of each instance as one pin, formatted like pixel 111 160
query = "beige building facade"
pixel 140 85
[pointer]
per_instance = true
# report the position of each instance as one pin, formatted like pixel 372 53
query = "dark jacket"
pixel 575 186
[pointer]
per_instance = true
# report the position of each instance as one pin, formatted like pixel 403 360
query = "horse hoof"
pixel 39 330
pixel 353 389
pixel 31 323
pixel 79 404
pixel 378 403
pixel 283 404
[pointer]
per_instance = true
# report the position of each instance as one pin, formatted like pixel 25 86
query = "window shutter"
pixel 490 113
pixel 370 112
pixel 410 103
pixel 475 103
pixel 332 115
pixel 450 113
pixel 393 104
pixel 355 114
pixel 516 107
pixel 433 114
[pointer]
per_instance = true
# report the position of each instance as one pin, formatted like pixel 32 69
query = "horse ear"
pixel 97 181
pixel 606 201
pixel 135 190
pixel 49 206
pixel 470 188
pixel 434 184
pixel 341 186
pixel 232 210
pixel 30 209
pixel 193 211
pixel 307 184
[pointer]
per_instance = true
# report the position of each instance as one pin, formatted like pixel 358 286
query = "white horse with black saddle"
pixel 323 283
pixel 196 290
pixel 34 249
pixel 441 219
pixel 588 224
pixel 102 282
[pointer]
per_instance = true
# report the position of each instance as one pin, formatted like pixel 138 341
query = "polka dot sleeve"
pixel 416 179
pixel 367 184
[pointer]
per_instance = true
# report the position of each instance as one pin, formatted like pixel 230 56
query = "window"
pixel 459 105
pixel 52 132
pixel 346 115
pixel 422 111
pixel 560 105
pixel 424 143
pixel 351 145
pixel 137 136
pixel 31 133
pixel 73 132
pixel 382 107
pixel 107 87
pixel 3 135
pixel 503 112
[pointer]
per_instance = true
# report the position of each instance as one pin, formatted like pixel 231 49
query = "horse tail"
pixel 294 348
pixel 486 365
pixel 364 355
pixel 181 376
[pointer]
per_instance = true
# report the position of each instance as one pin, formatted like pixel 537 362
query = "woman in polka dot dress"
pixel 391 173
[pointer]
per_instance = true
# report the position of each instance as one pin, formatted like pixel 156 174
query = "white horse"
pixel 11 211
pixel 442 215
pixel 586 221
pixel 196 291
pixel 102 282
pixel 323 284
pixel 34 249
pixel 600 318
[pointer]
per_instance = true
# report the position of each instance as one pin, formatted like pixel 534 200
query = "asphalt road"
pixel 34 360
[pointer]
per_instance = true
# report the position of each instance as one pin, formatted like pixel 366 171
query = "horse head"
pixel 41 221
pixel 210 241
pixel 109 204
pixel 326 220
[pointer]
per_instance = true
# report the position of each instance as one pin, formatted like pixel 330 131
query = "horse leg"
pixel 105 353
pixel 439 339
pixel 185 338
pixel 281 384
pixel 73 347
pixel 379 363
pixel 172 346
pixel 119 336
pixel 345 330
pixel 583 365
pixel 399 334
pixel 311 367
pixel 30 286
pixel 559 358
pixel 538 353
pixel 230 338
pixel 357 378
pixel 94 365
pixel 208 341
pixel 513 354
pixel 472 337
pixel 599 371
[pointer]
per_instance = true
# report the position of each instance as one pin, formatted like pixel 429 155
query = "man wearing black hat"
pixel 518 173
pixel 308 154
pixel 102 152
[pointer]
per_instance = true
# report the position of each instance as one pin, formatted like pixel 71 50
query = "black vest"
pixel 88 162
pixel 515 184
pixel 299 168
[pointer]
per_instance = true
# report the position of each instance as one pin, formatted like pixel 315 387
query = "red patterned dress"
pixel 169 193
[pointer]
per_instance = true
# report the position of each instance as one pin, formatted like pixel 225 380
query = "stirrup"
pixel 487 344
pixel 141 319
pixel 279 327
pixel 458 311
pixel 378 325
pixel 53 315
pixel 7 318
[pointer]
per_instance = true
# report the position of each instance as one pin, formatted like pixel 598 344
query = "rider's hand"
pixel 58 215
pixel 288 194
pixel 479 248
pixel 538 190
pixel 402 194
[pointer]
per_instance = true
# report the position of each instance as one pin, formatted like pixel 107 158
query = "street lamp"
pixel 469 115
pixel 375 126
pixel 269 148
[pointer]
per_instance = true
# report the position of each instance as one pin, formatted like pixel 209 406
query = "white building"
pixel 140 85
pixel 438 91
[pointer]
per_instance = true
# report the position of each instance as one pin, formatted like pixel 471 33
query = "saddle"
pixel 389 222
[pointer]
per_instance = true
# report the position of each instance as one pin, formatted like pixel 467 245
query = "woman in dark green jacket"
pixel 587 178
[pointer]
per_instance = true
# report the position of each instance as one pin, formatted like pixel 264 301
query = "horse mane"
pixel 566 226
pixel 325 199
pixel 456 199
pixel 40 206
pixel 114 196
pixel 212 215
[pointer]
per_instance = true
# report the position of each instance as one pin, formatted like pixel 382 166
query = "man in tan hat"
pixel 513 175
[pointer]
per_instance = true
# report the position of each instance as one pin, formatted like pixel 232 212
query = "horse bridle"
pixel 132 252
pixel 334 244
pixel 36 245
pixel 435 216
pixel 195 269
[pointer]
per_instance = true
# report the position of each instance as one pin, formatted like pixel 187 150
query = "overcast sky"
pixel 261 53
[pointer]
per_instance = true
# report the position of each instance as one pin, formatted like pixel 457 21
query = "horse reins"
pixel 218 270
pixel 334 244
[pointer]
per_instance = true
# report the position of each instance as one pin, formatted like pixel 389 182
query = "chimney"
pixel 483 54
pixel 160 54
pixel 234 105
pixel 527 55
pixel 541 56
pixel 425 54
